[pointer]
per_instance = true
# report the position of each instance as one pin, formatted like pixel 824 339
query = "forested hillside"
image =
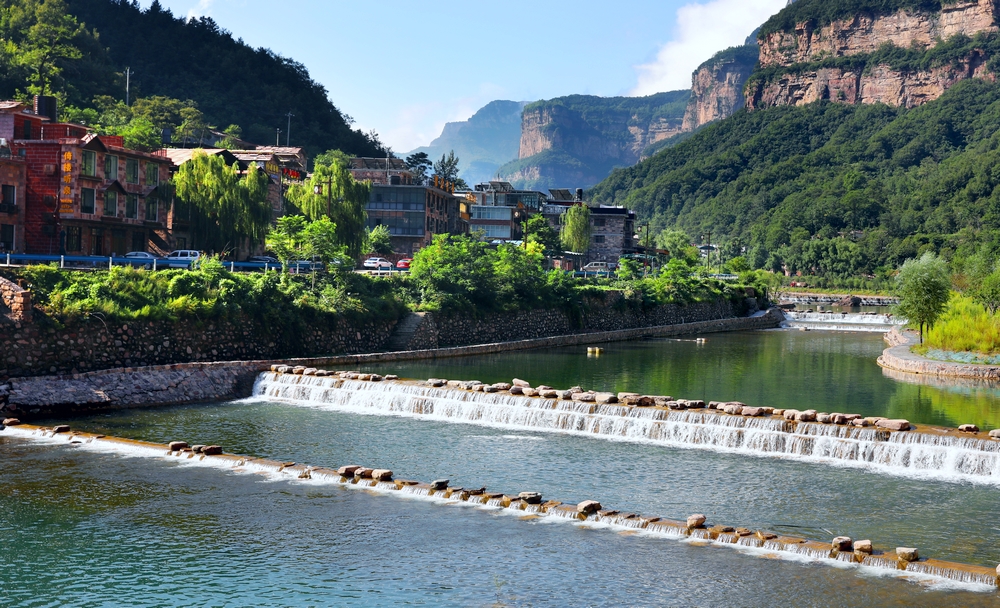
pixel 228 81
pixel 832 188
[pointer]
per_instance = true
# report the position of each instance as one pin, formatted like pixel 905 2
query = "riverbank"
pixel 900 358
pixel 148 386
pixel 840 550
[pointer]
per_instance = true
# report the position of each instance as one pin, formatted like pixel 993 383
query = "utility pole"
pixel 318 189
pixel 128 82
pixel 710 252
pixel 288 132
pixel 277 137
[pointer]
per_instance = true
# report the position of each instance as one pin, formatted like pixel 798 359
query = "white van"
pixel 181 258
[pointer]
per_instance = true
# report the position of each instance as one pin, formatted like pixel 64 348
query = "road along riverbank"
pixel 697 528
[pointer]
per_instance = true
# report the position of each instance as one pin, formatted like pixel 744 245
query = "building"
pixel 179 216
pixel 12 201
pixel 498 210
pixel 281 172
pixel 381 171
pixel 84 194
pixel 414 214
pixel 612 229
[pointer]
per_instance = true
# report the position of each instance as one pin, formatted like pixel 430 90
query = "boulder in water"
pixel 907 554
pixel 455 383
pixel 894 425
pixel 365 377
pixel 606 398
pixel 283 369
pixel 778 412
pixel 348 470
pixel 644 401
pixel 502 386
pixel 575 389
pixel 695 404
pixel 995 433
pixel 516 390
pixel 437 382
pixel 392 377
pixel 766 535
pixel 567 395
pixel 439 484
pixel 382 475
pixel 843 543
pixel 61 428
pixel 824 418
pixel 696 521
pixel 860 422
pixel 863 546
pixel 752 411
pixel 177 446
pixel 521 383
pixel 585 397
pixel 487 388
pixel 713 405
pixel 197 448
pixel 211 450
pixel 588 506
pixel 806 416
pixel 790 414
pixel 298 370
pixel 11 422
pixel 309 371
pixel 529 392
pixel 549 394
pixel 363 473
pixel 531 498
pixel 628 398
pixel 968 428
pixel 543 387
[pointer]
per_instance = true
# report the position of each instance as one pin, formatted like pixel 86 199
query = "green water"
pixel 821 370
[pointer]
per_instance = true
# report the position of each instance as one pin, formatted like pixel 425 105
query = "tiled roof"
pixel 11 105
pixel 252 155
pixel 179 156
pixel 280 150
pixel 379 164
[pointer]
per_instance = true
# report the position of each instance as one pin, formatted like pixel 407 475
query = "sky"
pixel 404 69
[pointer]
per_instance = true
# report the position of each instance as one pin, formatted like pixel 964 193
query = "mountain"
pixel 577 140
pixel 484 142
pixel 871 135
pixel 231 82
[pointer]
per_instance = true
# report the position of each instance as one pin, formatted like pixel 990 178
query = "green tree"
pixel 286 239
pixel 987 292
pixel 538 230
pixel 576 229
pixel 48 39
pixel 231 140
pixel 140 134
pixel 379 240
pixel 447 169
pixel 227 209
pixel 320 240
pixel 923 286
pixel 164 112
pixel 332 192
pixel 419 164
pixel 455 273
pixel 678 244
pixel 332 156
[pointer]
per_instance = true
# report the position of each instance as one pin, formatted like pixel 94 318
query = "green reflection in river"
pixel 826 371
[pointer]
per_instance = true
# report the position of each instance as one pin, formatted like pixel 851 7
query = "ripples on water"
pixel 115 531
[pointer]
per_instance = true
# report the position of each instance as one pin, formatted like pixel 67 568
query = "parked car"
pixel 181 258
pixel 597 267
pixel 404 264
pixel 263 259
pixel 378 264
pixel 141 258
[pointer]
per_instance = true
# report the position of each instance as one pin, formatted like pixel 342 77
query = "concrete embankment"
pixel 899 358
pixel 697 528
pixel 76 394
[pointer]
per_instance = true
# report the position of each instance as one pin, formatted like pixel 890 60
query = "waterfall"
pixel 911 453
pixel 841 321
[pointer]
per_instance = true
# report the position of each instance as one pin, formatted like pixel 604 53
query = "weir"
pixel 841 321
pixel 587 513
pixel 927 451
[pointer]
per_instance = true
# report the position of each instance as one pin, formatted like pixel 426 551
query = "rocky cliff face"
pixel 848 60
pixel 865 33
pixel 717 86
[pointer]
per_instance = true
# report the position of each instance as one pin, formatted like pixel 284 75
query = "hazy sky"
pixel 406 68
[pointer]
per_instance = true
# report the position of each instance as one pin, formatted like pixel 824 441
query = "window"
pixel 89 163
pixel 132 206
pixel 138 241
pixel 97 241
pixel 599 238
pixel 110 203
pixel 152 174
pixel 110 167
pixel 73 238
pixel 87 198
pixel 490 213
pixel 27 129
pixel 152 208
pixel 599 221
pixel 8 194
pixel 6 237
pixel 131 171
pixel 492 231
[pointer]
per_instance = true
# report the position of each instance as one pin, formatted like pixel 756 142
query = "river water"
pixel 92 529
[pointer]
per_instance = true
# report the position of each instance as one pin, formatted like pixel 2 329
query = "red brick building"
pixel 12 206
pixel 84 194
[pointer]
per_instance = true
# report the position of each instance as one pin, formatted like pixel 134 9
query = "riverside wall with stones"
pixel 899 358
pixel 16 301
pixel 82 393
pixel 840 550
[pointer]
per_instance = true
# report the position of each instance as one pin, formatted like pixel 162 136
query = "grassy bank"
pixel 965 326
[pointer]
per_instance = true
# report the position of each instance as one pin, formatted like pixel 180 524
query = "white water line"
pixel 909 454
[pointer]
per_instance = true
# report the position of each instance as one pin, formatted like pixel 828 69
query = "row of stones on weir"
pixel 576 393
pixel 841 548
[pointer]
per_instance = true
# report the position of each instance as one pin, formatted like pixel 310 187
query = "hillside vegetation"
pixel 831 188
pixel 79 50
pixel 822 12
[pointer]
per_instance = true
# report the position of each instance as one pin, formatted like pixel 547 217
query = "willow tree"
pixel 332 192
pixel 228 208
pixel 576 229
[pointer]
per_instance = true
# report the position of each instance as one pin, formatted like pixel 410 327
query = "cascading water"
pixel 903 453
pixel 841 321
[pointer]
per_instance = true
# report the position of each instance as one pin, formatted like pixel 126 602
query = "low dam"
pixel 841 551
pixel 880 444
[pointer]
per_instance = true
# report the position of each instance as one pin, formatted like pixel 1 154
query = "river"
pixel 93 529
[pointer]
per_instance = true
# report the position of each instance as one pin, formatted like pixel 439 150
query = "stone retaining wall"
pixel 898 357
pixel 76 394
pixel 16 300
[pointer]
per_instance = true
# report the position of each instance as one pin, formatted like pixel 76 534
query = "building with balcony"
pixel 498 210
pixel 12 202
pixel 385 171
pixel 414 214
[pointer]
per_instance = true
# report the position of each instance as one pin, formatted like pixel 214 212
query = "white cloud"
pixel 204 7
pixel 702 30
